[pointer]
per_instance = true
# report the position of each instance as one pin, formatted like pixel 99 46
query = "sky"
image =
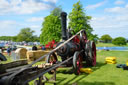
pixel 108 16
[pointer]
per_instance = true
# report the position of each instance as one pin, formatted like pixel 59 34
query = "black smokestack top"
pixel 64 25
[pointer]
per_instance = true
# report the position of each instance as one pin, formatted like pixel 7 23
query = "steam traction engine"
pixel 82 50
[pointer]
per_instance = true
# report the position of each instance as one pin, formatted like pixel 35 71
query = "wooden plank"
pixel 14 64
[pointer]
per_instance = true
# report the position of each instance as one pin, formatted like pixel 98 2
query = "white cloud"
pixel 5 23
pixel 126 6
pixel 35 19
pixel 31 7
pixel 12 28
pixel 37 29
pixel 115 9
pixel 115 25
pixel 95 5
pixel 119 2
pixel 119 10
pixel 23 7
pixel 123 18
pixel 9 27
pixel 35 26
pixel 53 1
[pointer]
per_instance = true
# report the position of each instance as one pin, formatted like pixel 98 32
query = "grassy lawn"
pixel 107 45
pixel 103 74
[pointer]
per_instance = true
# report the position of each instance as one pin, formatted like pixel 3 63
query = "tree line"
pixel 25 34
pixel 116 41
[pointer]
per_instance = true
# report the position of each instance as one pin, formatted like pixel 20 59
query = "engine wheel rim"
pixel 94 53
pixel 52 59
pixel 79 64
pixel 83 37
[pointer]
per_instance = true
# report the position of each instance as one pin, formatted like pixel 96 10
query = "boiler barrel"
pixel 68 49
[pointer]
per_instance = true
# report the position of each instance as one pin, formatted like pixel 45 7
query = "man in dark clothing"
pixel 34 47
pixel 9 51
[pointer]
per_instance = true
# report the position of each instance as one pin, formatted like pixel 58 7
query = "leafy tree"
pixel 51 29
pixel 6 38
pixel 106 38
pixel 14 38
pixel 26 34
pixel 35 38
pixel 79 20
pixel 95 38
pixel 119 41
pixel 56 11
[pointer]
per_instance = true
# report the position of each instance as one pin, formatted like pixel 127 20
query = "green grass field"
pixel 103 74
pixel 107 45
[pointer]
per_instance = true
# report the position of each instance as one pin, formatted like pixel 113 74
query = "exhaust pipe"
pixel 64 25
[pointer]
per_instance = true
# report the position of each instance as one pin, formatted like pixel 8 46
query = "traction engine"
pixel 80 48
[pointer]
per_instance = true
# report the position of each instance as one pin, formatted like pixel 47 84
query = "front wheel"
pixel 51 58
pixel 77 62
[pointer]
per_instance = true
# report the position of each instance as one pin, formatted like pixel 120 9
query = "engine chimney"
pixel 64 25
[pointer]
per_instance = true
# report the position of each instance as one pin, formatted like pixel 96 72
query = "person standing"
pixel 9 51
pixel 34 47
pixel 43 47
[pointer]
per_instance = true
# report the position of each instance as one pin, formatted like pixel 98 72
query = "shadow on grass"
pixel 65 70
pixel 77 81
pixel 77 78
pixel 71 71
pixel 98 66
pixel 94 83
pixel 59 80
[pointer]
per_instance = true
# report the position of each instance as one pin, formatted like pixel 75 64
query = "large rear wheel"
pixel 90 53
pixel 94 53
